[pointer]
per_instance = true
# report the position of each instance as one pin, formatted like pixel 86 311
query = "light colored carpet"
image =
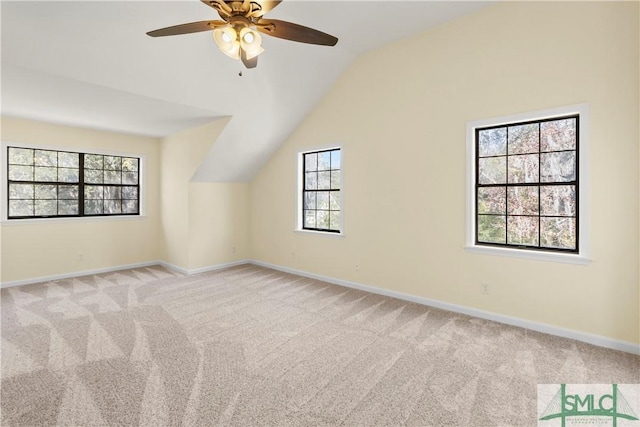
pixel 250 346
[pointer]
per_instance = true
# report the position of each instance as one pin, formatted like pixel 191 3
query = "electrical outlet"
pixel 293 255
pixel 233 249
pixel 357 266
pixel 80 257
pixel 484 288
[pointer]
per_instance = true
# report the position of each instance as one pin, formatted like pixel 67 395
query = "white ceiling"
pixel 90 64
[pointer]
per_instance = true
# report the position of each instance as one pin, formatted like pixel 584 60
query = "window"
pixel 321 184
pixel 49 183
pixel 528 185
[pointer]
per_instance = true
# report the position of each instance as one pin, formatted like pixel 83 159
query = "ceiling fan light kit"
pixel 238 34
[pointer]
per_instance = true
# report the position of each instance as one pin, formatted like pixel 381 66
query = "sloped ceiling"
pixel 90 64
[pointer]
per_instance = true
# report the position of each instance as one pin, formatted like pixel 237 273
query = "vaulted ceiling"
pixel 90 64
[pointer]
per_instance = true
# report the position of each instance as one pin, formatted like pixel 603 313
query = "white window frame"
pixel 4 181
pixel 582 257
pixel 299 199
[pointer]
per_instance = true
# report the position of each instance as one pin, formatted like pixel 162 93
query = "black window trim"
pixel 303 190
pixel 81 184
pixel 538 184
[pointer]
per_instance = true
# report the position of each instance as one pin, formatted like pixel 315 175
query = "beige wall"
pixel 218 223
pixel 188 225
pixel 51 247
pixel 400 114
pixel 203 224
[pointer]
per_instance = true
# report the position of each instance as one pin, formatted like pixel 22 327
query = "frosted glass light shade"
pixel 250 41
pixel 227 40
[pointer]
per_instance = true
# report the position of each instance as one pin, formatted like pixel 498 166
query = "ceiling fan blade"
pixel 192 27
pixel 249 63
pixel 297 33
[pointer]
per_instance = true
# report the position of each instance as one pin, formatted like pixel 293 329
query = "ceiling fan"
pixel 238 33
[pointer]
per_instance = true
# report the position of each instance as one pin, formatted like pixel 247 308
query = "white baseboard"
pixel 76 274
pixel 118 268
pixel 174 267
pixel 202 269
pixel 598 340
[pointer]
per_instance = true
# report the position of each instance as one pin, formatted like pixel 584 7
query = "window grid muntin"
pixel 80 184
pixel 317 190
pixel 539 185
